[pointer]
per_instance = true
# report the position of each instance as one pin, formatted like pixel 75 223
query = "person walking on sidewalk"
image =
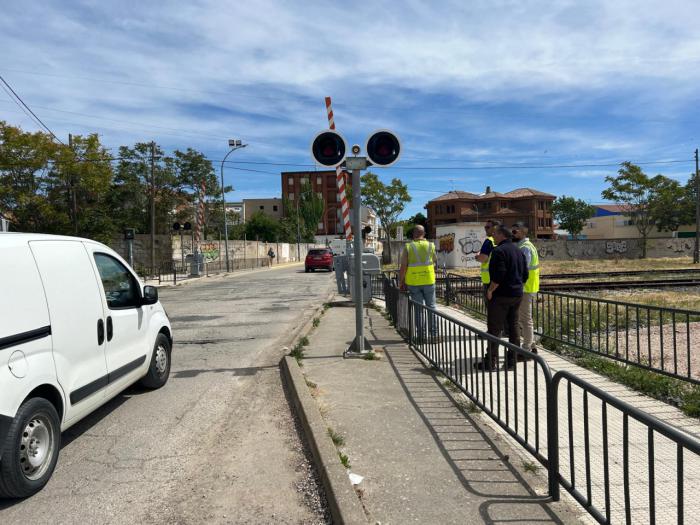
pixel 271 255
pixel 417 274
pixel 508 272
pixel 531 287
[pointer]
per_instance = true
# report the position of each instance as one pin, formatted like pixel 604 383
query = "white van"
pixel 76 328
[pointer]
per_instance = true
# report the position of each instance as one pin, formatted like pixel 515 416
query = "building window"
pixel 290 181
pixel 319 180
pixel 320 226
pixel 262 207
pixel 274 208
pixel 291 196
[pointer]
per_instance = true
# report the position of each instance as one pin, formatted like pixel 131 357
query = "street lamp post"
pixel 234 144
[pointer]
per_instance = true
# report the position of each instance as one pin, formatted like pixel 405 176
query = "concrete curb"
pixel 343 503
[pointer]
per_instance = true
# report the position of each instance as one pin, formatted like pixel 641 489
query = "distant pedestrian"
pixel 271 255
pixel 531 287
pixel 507 273
pixel 340 263
pixel 417 274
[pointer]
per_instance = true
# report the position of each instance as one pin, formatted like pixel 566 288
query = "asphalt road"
pixel 218 443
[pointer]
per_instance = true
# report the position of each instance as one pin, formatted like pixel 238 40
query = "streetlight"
pixel 234 144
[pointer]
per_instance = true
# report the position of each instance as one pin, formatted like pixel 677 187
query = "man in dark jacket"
pixel 507 271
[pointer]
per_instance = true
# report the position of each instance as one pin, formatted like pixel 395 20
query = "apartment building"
pixel 533 207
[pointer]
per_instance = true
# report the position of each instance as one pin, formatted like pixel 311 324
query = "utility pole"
pixel 153 206
pixel 72 187
pixel 696 254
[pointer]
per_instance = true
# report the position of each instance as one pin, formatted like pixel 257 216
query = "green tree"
pixel 24 185
pixel 262 227
pixel 409 223
pixel 571 214
pixel 132 188
pixel 670 206
pixel 642 197
pixel 311 208
pixel 387 200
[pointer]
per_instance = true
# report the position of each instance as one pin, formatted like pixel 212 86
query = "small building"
pixel 271 207
pixel 533 207
pixel 613 221
pixel 235 212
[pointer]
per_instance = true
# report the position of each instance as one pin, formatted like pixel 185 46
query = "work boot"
pixel 488 364
pixel 511 360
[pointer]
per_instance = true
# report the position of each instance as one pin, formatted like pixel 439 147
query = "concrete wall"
pixel 142 249
pixel 616 227
pixel 561 249
pixel 214 250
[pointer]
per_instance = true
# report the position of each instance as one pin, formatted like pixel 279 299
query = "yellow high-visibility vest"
pixel 421 268
pixel 532 285
pixel 485 277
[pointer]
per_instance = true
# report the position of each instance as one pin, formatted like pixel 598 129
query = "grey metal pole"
pixel 357 271
pixel 696 254
pixel 298 234
pixel 223 200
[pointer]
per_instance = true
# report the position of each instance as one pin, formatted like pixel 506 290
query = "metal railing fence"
pixel 620 463
pixel 655 338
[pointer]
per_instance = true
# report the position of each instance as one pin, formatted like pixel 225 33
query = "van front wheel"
pixel 159 371
pixel 30 451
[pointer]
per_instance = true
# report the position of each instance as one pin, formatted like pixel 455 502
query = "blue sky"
pixel 466 85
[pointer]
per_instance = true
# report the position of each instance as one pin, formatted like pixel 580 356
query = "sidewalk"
pixel 665 451
pixel 164 284
pixel 425 457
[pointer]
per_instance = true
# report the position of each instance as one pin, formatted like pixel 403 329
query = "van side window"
pixel 121 289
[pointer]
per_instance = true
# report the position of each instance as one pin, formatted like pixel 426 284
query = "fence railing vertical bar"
pixel 454 355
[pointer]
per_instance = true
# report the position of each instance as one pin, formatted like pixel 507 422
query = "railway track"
pixel 609 285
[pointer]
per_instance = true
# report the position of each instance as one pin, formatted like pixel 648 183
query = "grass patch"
pixel 304 341
pixel 344 459
pixel 326 306
pixel 336 438
pixel 370 356
pixel 530 466
pixel 316 322
pixel 298 353
pixel 674 391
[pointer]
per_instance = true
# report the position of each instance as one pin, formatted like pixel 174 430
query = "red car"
pixel 319 258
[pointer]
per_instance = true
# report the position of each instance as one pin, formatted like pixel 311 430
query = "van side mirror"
pixel 150 295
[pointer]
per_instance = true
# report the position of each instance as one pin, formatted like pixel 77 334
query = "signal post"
pixel 383 148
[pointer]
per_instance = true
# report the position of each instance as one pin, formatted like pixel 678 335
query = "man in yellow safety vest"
pixel 417 274
pixel 530 288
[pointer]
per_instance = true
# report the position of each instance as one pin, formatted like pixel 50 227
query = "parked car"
pixel 76 328
pixel 319 258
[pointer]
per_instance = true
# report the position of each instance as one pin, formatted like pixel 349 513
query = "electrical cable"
pixel 30 110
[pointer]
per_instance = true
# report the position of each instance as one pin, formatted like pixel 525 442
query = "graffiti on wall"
pixel 545 251
pixel 680 245
pixel 469 245
pixel 578 249
pixel 446 243
pixel 612 247
pixel 210 250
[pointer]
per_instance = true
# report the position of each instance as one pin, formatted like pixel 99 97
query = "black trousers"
pixel 502 311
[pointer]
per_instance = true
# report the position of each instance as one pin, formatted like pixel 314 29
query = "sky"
pixel 551 95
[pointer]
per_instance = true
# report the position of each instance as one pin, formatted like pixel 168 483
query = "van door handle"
pixel 100 331
pixel 110 331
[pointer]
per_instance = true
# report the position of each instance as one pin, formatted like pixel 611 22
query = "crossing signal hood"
pixel 328 148
pixel 383 148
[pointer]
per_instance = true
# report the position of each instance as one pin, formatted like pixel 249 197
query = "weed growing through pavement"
pixel 310 384
pixel 337 439
pixel 316 322
pixel 470 406
pixel 450 385
pixel 530 466
pixel 326 306
pixel 370 356
pixel 344 459
pixel 297 353
pixel 303 341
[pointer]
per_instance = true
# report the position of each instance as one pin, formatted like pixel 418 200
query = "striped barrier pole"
pixel 340 180
pixel 200 222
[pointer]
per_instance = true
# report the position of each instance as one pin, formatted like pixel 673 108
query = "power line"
pixel 41 123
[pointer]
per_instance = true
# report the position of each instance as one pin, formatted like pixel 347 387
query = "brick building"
pixel 532 207
pixel 323 183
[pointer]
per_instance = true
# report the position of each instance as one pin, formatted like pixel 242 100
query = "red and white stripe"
pixel 340 178
pixel 200 214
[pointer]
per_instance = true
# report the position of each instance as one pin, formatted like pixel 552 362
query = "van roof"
pixel 15 238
